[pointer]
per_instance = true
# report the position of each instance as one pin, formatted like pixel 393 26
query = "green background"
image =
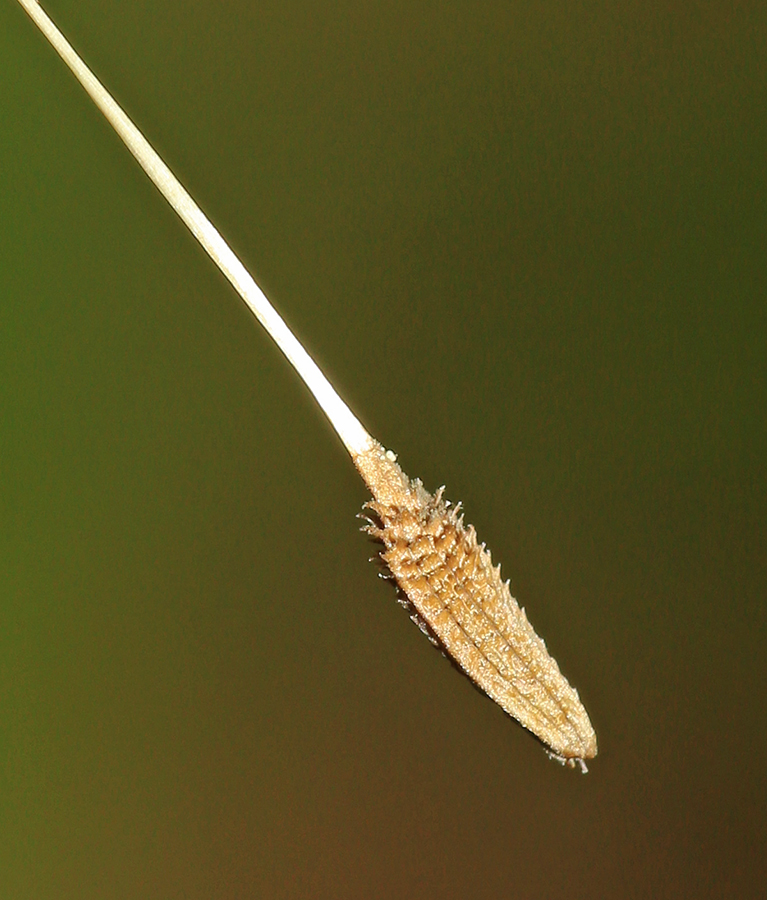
pixel 526 241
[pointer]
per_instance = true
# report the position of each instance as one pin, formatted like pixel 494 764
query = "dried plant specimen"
pixel 458 598
pixel 453 590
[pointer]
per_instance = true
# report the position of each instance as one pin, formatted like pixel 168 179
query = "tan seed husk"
pixel 457 596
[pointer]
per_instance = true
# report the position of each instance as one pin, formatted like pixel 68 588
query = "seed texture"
pixel 457 597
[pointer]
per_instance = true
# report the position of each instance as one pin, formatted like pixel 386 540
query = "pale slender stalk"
pixel 347 425
pixel 453 590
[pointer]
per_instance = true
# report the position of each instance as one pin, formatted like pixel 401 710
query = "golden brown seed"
pixel 458 597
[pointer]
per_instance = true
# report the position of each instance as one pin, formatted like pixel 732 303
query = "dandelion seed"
pixel 448 581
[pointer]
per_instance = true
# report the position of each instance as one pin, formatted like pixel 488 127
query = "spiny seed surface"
pixel 458 597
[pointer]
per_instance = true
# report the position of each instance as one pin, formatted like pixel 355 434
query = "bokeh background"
pixel 526 240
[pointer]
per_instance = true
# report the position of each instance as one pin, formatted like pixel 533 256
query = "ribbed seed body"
pixel 457 596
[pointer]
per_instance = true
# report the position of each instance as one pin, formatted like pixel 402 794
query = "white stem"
pixel 347 425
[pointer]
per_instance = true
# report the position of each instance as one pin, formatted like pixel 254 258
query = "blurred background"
pixel 526 241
